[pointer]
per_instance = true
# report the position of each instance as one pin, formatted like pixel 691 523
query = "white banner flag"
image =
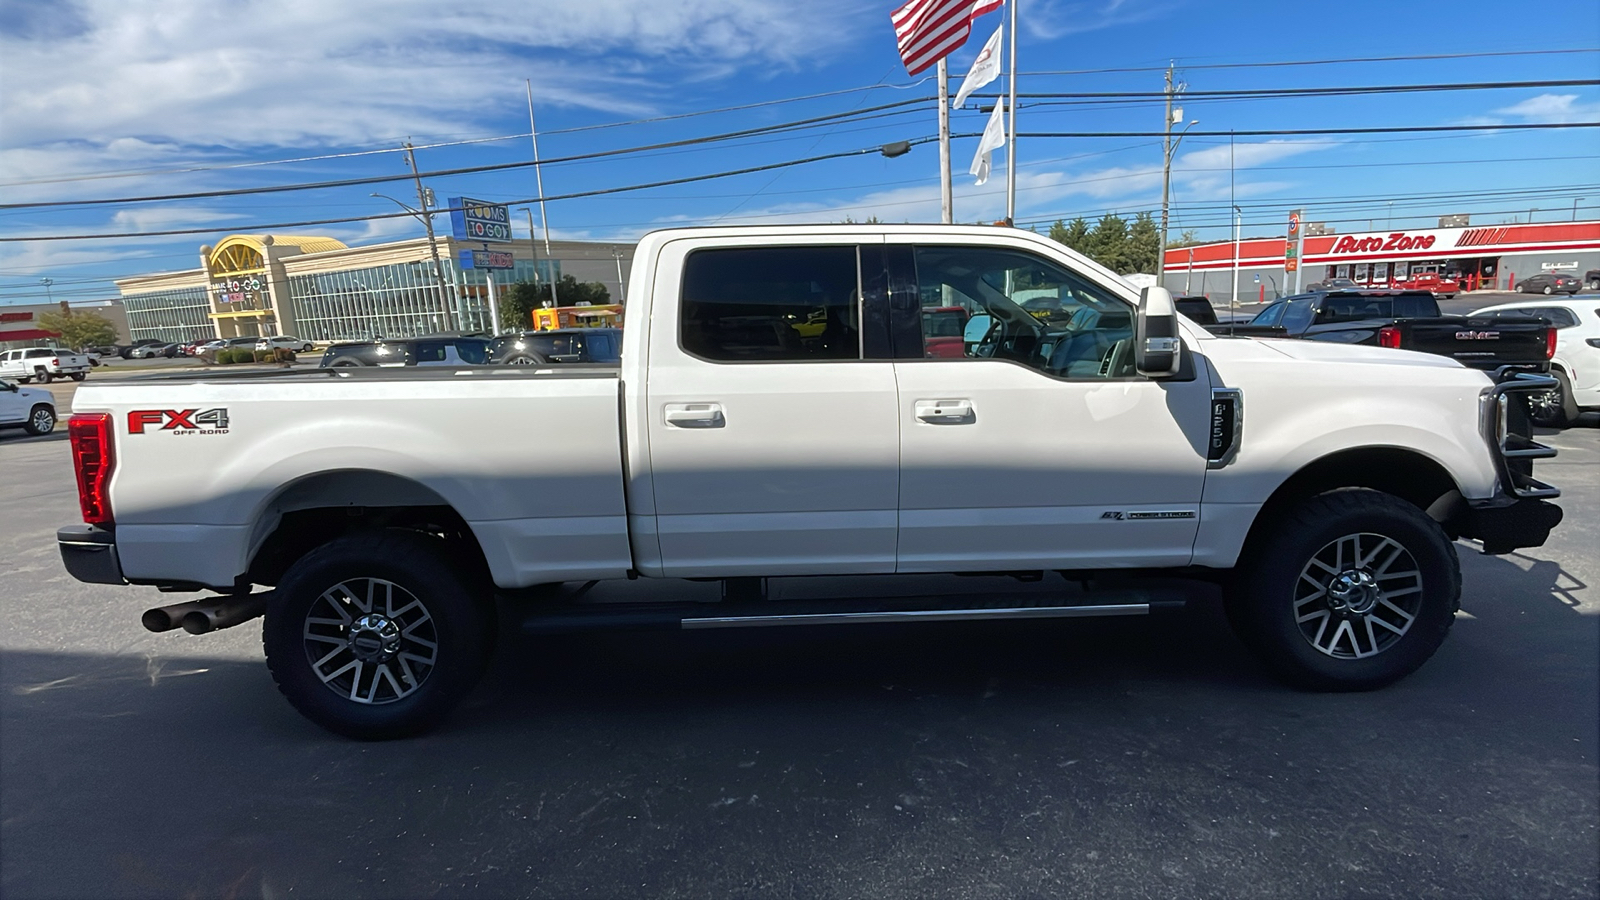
pixel 994 137
pixel 985 69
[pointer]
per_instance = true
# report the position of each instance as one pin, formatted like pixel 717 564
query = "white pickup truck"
pixel 776 413
pixel 43 364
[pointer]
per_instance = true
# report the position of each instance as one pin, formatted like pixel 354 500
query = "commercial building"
pixel 19 325
pixel 1494 257
pixel 319 289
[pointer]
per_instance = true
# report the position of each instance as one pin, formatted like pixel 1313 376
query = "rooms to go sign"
pixel 475 220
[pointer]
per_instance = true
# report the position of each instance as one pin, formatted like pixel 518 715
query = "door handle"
pixel 695 415
pixel 946 412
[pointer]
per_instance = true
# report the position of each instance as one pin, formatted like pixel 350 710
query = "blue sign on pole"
pixel 476 220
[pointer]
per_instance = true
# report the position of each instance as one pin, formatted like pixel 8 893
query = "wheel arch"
pixel 1403 472
pixel 317 508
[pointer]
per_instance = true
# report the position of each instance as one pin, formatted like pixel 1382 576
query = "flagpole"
pixel 538 175
pixel 1011 138
pixel 946 202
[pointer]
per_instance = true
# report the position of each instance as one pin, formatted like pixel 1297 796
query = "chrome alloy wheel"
pixel 521 361
pixel 43 421
pixel 1357 596
pixel 370 641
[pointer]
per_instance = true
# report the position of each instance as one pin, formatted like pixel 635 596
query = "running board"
pixel 921 615
pixel 576 617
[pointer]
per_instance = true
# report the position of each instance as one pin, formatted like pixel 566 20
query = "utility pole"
pixel 433 244
pixel 1166 164
pixel 622 289
pixel 946 202
pixel 1169 147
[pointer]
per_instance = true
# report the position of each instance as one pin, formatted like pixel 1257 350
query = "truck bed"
pixel 528 456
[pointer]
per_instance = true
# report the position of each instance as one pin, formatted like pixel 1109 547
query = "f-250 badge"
pixel 178 421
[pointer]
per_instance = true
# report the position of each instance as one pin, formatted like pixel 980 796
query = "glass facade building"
pixel 399 299
pixel 181 314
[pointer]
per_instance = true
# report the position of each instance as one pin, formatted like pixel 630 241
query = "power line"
pixel 466 170
pixel 571 196
pixel 1323 62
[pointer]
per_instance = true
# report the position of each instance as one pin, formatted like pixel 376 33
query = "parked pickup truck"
pixel 43 364
pixel 1432 282
pixel 1406 320
pixel 383 508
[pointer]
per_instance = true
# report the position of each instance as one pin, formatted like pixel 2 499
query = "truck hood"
pixel 1322 351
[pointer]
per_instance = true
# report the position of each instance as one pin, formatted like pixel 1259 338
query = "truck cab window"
pixel 1026 309
pixel 774 304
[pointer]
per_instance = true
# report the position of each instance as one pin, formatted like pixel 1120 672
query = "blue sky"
pixel 111 99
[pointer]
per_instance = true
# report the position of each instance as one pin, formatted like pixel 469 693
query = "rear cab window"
pixel 771 304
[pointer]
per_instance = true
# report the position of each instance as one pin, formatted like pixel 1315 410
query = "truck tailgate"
pixel 1480 342
pixel 531 459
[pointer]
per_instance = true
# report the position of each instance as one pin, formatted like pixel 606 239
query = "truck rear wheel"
pixel 376 635
pixel 1353 590
pixel 1554 408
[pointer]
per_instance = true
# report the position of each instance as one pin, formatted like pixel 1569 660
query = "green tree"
pixel 1144 244
pixel 521 299
pixel 79 329
pixel 1107 243
pixel 1074 234
pixel 1189 238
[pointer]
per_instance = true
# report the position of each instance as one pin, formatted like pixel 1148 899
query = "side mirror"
pixel 1157 349
pixel 8 387
pixel 977 329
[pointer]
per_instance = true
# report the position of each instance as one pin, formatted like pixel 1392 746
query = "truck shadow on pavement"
pixel 1135 755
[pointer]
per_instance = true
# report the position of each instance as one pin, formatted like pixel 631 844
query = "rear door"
pixel 773 444
pixel 1041 447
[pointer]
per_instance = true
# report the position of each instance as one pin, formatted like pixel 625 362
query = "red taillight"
pixel 1549 343
pixel 1389 336
pixel 93 458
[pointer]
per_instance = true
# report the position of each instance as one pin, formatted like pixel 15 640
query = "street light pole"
pixel 433 247
pixel 433 244
pixel 1168 152
pixel 1233 301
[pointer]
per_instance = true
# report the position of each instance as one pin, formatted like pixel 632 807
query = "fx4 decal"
pixel 179 421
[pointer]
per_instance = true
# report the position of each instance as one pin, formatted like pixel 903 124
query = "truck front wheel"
pixel 376 635
pixel 1351 591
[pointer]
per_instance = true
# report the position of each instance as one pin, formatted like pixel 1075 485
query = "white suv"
pixel 284 342
pixel 1576 363
pixel 30 409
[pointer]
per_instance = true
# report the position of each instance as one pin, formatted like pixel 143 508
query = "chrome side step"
pixel 919 615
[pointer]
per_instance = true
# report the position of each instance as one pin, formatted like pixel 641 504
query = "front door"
pixel 773 444
pixel 1040 447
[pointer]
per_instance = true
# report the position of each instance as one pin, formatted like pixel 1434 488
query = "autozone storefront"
pixel 1494 257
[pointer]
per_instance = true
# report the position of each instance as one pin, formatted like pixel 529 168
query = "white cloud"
pixel 1244 155
pixel 310 72
pixel 1051 19
pixel 1040 191
pixel 1552 108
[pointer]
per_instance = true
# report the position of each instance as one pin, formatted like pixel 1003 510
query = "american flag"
pixel 929 30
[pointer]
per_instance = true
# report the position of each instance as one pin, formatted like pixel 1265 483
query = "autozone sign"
pixel 1380 243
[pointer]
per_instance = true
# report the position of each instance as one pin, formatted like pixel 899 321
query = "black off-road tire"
pixel 1262 603
pixel 42 376
pixel 460 622
pixel 527 358
pixel 79 376
pixel 1556 409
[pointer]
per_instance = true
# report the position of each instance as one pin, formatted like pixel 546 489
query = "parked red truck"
pixel 1440 286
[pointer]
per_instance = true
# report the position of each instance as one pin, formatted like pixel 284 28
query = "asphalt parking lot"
pixel 1142 758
